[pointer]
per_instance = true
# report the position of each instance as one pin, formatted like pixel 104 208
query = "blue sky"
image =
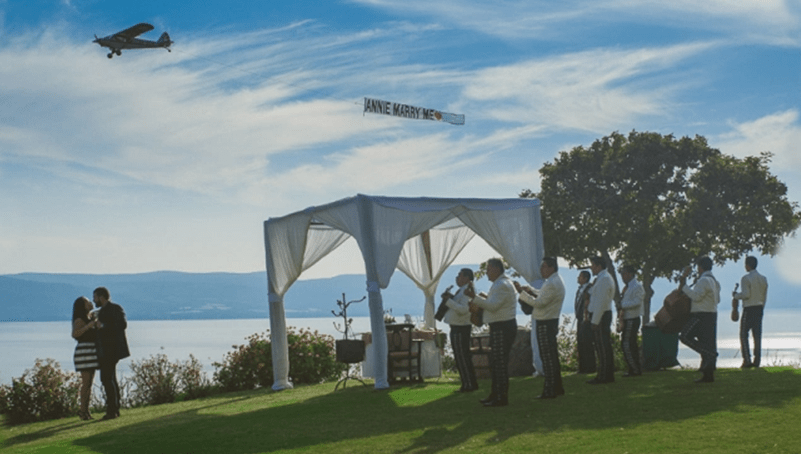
pixel 171 161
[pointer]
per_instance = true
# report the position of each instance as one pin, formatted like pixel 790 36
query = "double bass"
pixel 675 311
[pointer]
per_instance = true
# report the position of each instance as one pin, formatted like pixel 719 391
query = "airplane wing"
pixel 131 33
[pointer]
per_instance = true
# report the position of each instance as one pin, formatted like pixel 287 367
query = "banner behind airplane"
pixel 394 109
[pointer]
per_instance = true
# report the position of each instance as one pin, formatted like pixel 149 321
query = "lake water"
pixel 209 340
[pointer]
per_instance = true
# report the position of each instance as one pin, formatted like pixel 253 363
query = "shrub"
pixel 192 381
pixel 157 381
pixel 154 381
pixel 248 366
pixel 312 359
pixel 42 393
pixel 568 348
pixel 5 395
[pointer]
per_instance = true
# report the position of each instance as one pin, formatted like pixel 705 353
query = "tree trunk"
pixel 647 281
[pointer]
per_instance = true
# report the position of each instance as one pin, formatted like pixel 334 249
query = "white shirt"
pixel 458 313
pixel 548 302
pixel 601 295
pixel 633 299
pixel 500 304
pixel 755 289
pixel 705 293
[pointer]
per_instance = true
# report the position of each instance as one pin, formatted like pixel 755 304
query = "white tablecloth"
pixel 431 365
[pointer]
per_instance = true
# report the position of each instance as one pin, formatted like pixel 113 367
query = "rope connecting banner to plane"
pixel 394 109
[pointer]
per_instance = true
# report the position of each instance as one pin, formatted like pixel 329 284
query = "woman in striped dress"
pixel 84 330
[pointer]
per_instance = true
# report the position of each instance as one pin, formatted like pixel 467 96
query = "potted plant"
pixel 349 350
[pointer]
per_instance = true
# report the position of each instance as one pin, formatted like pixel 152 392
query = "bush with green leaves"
pixel 568 348
pixel 312 359
pixel 5 395
pixel 156 380
pixel 41 393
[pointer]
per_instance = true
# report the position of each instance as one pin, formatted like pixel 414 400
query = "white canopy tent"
pixel 419 236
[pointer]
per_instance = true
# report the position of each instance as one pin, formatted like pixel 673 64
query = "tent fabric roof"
pixel 388 229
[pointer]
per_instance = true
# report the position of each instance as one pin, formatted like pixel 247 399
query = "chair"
pixel 404 357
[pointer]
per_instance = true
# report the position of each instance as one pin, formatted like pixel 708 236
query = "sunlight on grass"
pixel 419 396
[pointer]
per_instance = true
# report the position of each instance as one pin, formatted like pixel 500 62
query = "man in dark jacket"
pixel 112 346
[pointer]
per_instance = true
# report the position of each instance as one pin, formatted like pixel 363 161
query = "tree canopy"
pixel 658 202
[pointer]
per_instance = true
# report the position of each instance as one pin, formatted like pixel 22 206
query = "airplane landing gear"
pixel 110 54
pixel 118 52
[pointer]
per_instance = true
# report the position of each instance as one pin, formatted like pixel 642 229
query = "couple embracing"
pixel 101 344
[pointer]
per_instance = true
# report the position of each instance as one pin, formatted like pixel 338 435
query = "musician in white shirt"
pixel 631 305
pixel 700 331
pixel 601 295
pixel 458 318
pixel 547 306
pixel 500 307
pixel 754 295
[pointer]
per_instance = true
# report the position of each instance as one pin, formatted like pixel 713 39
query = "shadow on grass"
pixel 430 417
pixel 74 423
pixel 48 431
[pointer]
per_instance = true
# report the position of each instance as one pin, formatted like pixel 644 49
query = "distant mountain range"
pixel 171 295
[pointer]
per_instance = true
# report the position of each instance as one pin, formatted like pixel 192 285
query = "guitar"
pixel 442 309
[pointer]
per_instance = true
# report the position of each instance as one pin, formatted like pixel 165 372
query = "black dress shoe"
pixel 108 416
pixel 705 379
pixel 746 365
pixel 489 398
pixel 497 402
pixel 468 390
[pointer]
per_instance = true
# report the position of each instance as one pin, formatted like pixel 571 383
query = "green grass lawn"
pixel 749 411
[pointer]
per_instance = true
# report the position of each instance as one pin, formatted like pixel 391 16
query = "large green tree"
pixel 658 202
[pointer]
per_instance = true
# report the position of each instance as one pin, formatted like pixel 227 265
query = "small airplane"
pixel 127 39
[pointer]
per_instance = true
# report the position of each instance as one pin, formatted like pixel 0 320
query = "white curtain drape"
pixel 383 227
pixel 292 245
pixel 426 256
pixel 515 234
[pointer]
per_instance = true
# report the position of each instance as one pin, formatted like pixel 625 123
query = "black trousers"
pixel 460 341
pixel 546 339
pixel 628 341
pixel 751 321
pixel 700 334
pixel 502 336
pixel 585 343
pixel 603 349
pixel 108 377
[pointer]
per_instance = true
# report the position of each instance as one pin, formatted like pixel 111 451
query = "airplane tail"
pixel 164 40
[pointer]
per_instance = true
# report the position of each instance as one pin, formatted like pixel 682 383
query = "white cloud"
pixel 768 21
pixel 788 261
pixel 596 91
pixel 778 133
